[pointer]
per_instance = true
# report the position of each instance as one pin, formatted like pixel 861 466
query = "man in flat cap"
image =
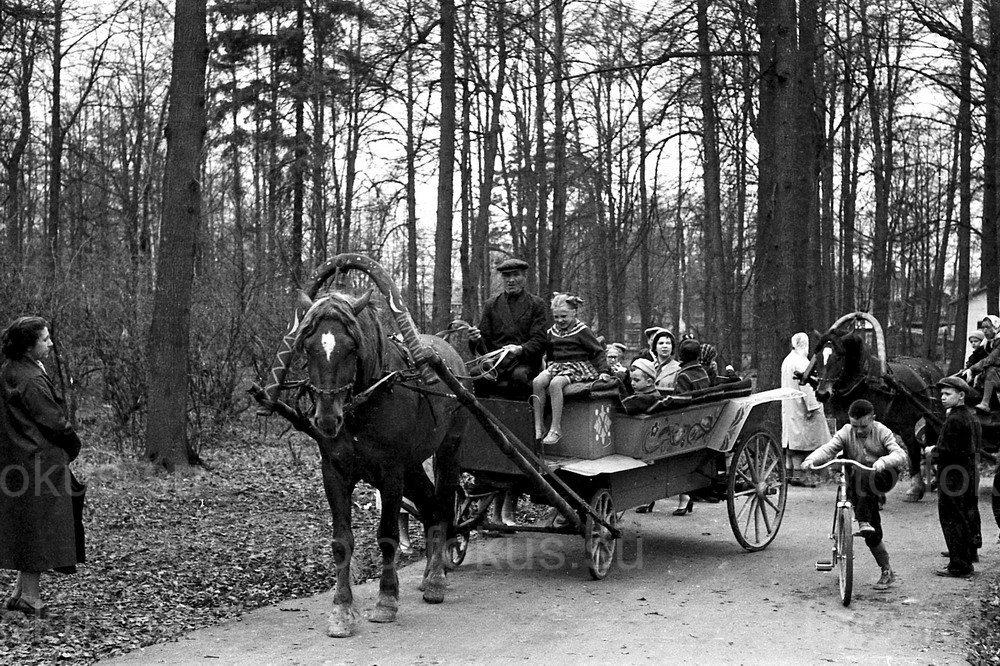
pixel 517 321
pixel 958 478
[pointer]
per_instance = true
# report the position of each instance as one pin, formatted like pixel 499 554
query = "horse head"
pixel 342 344
pixel 840 364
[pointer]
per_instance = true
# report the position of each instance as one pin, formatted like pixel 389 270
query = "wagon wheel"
pixel 598 541
pixel 756 490
pixel 458 541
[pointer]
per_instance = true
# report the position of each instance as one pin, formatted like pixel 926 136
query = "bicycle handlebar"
pixel 842 462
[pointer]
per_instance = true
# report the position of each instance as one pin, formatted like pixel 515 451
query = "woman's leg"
pixel 556 387
pixel 538 389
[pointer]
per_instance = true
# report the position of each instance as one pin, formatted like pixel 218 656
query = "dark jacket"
pixel 37 531
pixel 977 355
pixel 960 439
pixel 691 377
pixel 522 320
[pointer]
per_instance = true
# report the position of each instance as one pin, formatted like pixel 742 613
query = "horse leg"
pixel 420 490
pixel 446 475
pixel 918 486
pixel 388 543
pixel 344 617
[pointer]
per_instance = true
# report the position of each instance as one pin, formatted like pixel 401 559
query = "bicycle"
pixel 842 532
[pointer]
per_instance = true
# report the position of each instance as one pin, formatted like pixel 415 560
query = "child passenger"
pixel 644 394
pixel 574 354
pixel 872 444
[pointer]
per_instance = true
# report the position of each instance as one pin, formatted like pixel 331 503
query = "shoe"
pixel 886 580
pixel 552 438
pixel 645 508
pixel 21 606
pixel 975 556
pixel 951 573
pixel 864 529
pixel 682 510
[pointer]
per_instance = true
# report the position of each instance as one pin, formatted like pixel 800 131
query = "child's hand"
pixel 806 465
pixel 879 465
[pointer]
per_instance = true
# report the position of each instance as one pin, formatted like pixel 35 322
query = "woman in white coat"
pixel 803 422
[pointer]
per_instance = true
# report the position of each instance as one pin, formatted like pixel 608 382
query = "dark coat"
pixel 960 440
pixel 37 531
pixel 523 321
pixel 691 377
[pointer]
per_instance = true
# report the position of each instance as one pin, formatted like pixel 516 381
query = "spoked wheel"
pixel 598 541
pixel 458 542
pixel 844 542
pixel 756 490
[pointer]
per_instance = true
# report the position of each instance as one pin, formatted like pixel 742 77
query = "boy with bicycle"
pixel 870 443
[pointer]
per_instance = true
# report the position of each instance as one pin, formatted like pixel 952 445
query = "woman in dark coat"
pixel 37 528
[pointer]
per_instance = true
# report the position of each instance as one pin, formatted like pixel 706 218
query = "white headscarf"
pixel 800 343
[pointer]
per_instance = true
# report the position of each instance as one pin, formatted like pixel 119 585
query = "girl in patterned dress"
pixel 574 354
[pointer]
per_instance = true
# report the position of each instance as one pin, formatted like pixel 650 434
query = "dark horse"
pixel 378 427
pixel 900 390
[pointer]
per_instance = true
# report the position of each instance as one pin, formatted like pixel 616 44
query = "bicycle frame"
pixel 842 531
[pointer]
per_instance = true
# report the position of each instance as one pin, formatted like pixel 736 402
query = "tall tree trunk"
pixel 989 275
pixel 446 175
pixel 559 180
pixel 881 167
pixel 941 255
pixel 848 185
pixel 470 283
pixel 786 190
pixel 56 137
pixel 718 291
pixel 481 226
pixel 169 334
pixel 13 217
pixel 964 232
pixel 412 293
pixel 644 296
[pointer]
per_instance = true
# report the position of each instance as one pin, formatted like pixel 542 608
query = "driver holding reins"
pixel 515 320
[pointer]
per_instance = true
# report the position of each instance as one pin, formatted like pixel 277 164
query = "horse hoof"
pixel 434 591
pixel 342 622
pixel 383 615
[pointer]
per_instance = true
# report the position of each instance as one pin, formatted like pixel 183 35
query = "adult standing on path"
pixel 37 527
pixel 803 421
pixel 955 453
pixel 515 320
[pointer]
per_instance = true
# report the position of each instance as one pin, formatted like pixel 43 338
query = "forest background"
pixel 742 171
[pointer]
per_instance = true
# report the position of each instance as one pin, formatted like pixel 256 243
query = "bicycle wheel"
pixel 845 553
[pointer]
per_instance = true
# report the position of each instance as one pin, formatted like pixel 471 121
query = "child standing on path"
pixel 574 354
pixel 870 443
pixel 957 476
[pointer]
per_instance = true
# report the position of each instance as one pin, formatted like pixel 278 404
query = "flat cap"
pixel 959 384
pixel 512 265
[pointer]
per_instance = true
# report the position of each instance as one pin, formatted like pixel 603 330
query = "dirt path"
pixel 685 593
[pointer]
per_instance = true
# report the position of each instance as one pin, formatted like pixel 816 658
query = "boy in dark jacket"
pixel 957 477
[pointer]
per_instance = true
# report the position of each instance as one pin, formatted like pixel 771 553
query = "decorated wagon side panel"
pixel 715 426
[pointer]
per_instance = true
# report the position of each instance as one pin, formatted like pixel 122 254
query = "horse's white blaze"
pixel 827 353
pixel 329 343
